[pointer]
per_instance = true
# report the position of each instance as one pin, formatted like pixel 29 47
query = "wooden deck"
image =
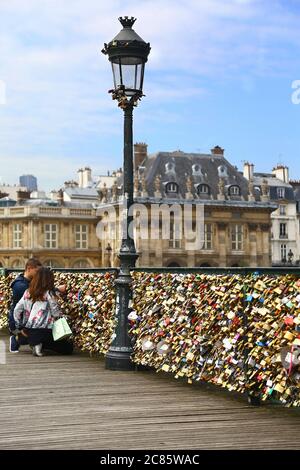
pixel 57 402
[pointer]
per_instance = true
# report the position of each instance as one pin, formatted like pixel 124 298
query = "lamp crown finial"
pixel 127 22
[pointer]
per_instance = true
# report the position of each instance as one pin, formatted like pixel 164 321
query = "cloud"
pixel 57 79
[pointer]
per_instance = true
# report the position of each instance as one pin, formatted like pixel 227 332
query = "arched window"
pixel 222 171
pixel 172 188
pixel 197 170
pixel 81 264
pixel 203 189
pixel 173 264
pixel 52 263
pixel 170 167
pixel 234 190
pixel 18 264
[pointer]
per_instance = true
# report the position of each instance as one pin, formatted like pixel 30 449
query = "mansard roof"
pixel 201 168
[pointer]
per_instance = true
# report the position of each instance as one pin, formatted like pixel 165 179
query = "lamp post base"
pixel 119 360
pixel 119 354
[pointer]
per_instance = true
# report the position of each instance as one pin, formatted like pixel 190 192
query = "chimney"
pixel 248 171
pixel 60 197
pixel 281 172
pixel 140 153
pixel 80 177
pixel 86 177
pixel 22 196
pixel 53 195
pixel 217 150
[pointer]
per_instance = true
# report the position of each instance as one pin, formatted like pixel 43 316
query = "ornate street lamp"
pixel 128 54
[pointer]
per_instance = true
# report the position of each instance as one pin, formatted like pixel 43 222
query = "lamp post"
pixel 128 54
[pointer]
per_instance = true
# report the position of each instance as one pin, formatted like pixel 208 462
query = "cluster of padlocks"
pixel 239 332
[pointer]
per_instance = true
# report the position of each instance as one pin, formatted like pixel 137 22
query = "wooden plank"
pixel 72 402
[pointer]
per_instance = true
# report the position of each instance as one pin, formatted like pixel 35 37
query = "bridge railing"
pixel 234 327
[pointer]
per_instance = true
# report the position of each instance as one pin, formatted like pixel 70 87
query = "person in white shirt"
pixel 36 312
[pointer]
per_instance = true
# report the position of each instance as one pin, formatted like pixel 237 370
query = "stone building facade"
pixel 285 194
pixel 62 231
pixel 296 187
pixel 237 218
pixel 61 236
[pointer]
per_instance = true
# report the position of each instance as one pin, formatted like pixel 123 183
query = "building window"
pixel 280 193
pixel 51 263
pixel 170 167
pixel 81 264
pixel 174 241
pixel 172 188
pixel 197 170
pixel 81 236
pixel 234 190
pixel 283 251
pixel 237 235
pixel 207 237
pixel 173 264
pixel 17 235
pixel 282 231
pixel 50 236
pixel 282 209
pixel 17 264
pixel 222 171
pixel 203 189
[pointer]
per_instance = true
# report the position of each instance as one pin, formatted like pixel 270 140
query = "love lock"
pixel 290 356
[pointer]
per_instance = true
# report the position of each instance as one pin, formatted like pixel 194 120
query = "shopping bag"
pixel 61 329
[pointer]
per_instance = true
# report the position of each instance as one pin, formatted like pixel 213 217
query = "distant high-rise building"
pixel 29 181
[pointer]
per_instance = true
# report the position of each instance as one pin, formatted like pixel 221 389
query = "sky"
pixel 220 72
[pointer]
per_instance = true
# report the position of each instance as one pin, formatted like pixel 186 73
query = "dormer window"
pixel 281 193
pixel 172 188
pixel 234 190
pixel 203 189
pixel 170 167
pixel 222 171
pixel 197 170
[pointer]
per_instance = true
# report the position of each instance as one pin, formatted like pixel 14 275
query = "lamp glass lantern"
pixel 128 53
pixel 128 74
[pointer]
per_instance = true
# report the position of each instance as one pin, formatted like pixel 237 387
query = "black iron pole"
pixel 119 354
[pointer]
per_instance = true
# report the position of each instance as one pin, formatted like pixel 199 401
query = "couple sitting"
pixel 32 316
